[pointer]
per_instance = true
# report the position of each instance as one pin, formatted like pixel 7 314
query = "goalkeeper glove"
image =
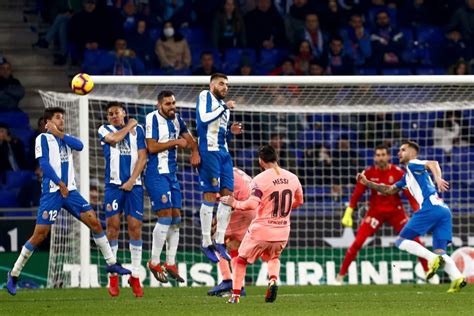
pixel 347 218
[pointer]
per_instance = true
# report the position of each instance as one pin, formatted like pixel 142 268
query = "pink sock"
pixel 225 269
pixel 239 275
pixel 274 268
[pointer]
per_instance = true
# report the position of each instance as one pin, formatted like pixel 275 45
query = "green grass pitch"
pixel 303 300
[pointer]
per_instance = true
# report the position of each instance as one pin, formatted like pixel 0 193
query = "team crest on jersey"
pixel 164 198
pixel 391 179
pixel 215 182
pixel 108 207
pixel 45 215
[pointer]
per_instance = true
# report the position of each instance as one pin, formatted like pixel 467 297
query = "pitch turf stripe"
pixel 25 274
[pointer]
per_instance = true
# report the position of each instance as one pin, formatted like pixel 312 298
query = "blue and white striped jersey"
pixel 59 156
pixel 418 181
pixel 121 158
pixel 212 116
pixel 163 130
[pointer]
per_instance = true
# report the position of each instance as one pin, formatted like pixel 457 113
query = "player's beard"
pixel 218 94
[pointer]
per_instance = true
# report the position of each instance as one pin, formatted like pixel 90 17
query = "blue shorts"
pixel 435 219
pixel 117 201
pixel 164 191
pixel 216 171
pixel 52 203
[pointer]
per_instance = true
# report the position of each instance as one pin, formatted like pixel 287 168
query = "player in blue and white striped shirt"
pixel 125 158
pixel 165 132
pixel 216 170
pixel 434 215
pixel 54 152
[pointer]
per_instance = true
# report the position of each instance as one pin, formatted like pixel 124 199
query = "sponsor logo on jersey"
pixel 38 149
pixel 45 215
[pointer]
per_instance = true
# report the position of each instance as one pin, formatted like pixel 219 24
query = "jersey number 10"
pixel 280 206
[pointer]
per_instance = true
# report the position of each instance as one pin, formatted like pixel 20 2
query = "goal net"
pixel 325 130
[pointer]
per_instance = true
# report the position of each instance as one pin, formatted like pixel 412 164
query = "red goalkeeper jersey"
pixel 378 201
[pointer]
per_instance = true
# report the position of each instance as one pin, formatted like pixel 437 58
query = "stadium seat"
pixel 16 179
pixel 430 71
pixel 154 34
pixel 396 71
pixel 272 57
pixel 8 198
pixel 18 119
pixel 196 37
pixel 24 134
pixel 234 56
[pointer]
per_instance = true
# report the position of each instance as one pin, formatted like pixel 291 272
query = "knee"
pixel 135 231
pixel 398 242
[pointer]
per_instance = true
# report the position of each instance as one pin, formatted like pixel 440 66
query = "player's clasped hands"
pixel 230 104
pixel 361 177
pixel 227 199
pixel 181 143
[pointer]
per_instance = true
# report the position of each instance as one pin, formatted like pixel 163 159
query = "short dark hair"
pixel 218 75
pixel 114 103
pixel 412 144
pixel 49 112
pixel 206 52
pixel 382 147
pixel 164 94
pixel 267 153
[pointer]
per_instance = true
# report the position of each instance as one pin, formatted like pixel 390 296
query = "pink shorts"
pixel 251 249
pixel 239 224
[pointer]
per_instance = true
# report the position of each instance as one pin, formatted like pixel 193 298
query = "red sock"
pixel 224 269
pixel 238 275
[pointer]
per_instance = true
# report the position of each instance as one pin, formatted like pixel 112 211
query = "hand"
pixel 63 189
pixel 362 178
pixel 132 122
pixel 347 218
pixel 53 129
pixel 230 104
pixel 181 143
pixel 127 186
pixel 442 185
pixel 268 44
pixel 195 159
pixel 227 200
pixel 236 128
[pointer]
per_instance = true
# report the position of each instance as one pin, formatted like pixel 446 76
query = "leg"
pixel 39 235
pixel 206 211
pixel 238 276
pixel 398 221
pixel 160 232
pixel 223 217
pixel 223 210
pixel 113 230
pixel 135 236
pixel 273 275
pixel 172 242
pixel 367 228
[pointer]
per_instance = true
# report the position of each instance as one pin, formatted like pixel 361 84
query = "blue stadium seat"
pixel 396 71
pixel 234 56
pixel 430 71
pixel 154 34
pixel 16 179
pixel 196 56
pixel 24 134
pixel 431 35
pixel 8 198
pixel 272 57
pixel 365 71
pixel 196 37
pixel 18 119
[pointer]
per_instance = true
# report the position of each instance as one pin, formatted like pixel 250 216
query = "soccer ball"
pixel 82 84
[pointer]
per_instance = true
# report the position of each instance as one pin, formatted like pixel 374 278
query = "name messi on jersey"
pixel 280 181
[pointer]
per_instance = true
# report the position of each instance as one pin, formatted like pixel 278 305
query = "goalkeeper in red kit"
pixel 382 208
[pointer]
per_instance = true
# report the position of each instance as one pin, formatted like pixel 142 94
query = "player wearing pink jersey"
pixel 274 193
pixel 238 225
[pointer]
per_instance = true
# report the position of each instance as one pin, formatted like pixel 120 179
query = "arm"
pixel 186 54
pixel 433 166
pixel 155 147
pixel 356 195
pixel 137 170
pixel 73 142
pixel 195 157
pixel 250 204
pixel 298 198
pixel 48 172
pixel 382 188
pixel 204 107
pixel 118 136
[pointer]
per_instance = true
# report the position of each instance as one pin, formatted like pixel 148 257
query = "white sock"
pixel 159 237
pixel 136 255
pixel 450 268
pixel 25 254
pixel 206 223
pixel 416 249
pixel 172 241
pixel 104 246
pixel 114 246
pixel 223 218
